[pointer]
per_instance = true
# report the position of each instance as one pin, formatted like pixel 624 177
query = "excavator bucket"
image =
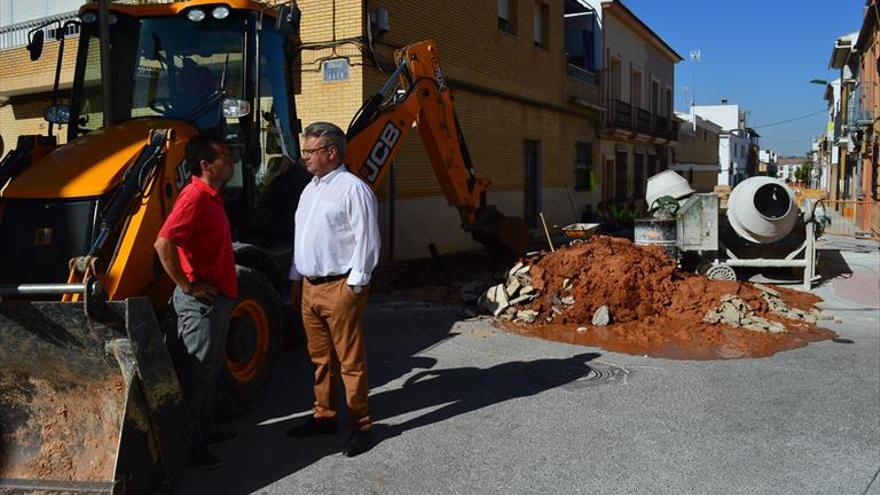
pixel 88 404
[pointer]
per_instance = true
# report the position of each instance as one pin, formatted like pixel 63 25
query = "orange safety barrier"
pixel 853 218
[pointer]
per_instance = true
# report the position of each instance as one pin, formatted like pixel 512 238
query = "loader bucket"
pixel 88 404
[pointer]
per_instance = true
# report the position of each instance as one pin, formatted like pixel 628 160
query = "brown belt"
pixel 328 278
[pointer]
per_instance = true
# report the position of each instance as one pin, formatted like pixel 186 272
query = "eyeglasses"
pixel 309 152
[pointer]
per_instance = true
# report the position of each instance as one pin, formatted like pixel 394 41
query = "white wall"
pixel 725 175
pixel 767 156
pixel 727 116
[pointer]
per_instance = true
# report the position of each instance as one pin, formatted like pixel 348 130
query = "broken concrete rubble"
pixel 526 316
pixel 736 312
pixel 602 317
pixel 777 306
pixel 494 300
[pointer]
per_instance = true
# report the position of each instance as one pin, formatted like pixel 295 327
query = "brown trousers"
pixel 333 320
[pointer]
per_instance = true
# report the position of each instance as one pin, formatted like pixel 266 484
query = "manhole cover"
pixel 578 377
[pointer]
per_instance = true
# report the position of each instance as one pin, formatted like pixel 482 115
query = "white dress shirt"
pixel 337 229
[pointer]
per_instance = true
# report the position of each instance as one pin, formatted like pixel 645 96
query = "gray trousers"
pixel 202 330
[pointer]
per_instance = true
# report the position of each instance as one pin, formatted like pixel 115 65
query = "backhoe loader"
pixel 89 397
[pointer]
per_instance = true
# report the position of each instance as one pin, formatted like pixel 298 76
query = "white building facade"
pixel 733 143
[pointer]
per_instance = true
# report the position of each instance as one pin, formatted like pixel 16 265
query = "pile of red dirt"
pixel 655 308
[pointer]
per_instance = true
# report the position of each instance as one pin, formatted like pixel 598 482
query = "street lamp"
pixel 823 82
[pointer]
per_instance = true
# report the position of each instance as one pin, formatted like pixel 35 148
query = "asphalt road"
pixel 460 407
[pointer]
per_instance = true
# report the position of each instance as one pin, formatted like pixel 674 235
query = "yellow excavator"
pixel 89 397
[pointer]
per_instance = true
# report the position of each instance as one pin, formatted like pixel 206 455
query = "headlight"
pixel 89 17
pixel 221 12
pixel 233 108
pixel 195 15
pixel 112 19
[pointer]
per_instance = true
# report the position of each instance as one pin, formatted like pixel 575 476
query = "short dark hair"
pixel 200 148
pixel 331 133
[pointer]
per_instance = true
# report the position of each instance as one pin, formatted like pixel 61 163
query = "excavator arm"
pixel 417 93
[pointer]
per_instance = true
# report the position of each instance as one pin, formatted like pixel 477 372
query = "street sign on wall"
pixel 335 70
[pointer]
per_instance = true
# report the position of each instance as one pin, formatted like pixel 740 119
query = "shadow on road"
pixel 463 390
pixel 832 265
pixel 263 454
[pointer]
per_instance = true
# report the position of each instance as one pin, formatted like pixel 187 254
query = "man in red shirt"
pixel 195 248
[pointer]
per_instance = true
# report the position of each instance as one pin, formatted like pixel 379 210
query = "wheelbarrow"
pixel 579 232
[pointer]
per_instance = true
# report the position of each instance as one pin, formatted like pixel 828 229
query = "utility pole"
pixel 695 58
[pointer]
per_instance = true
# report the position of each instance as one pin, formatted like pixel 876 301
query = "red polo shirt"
pixel 198 226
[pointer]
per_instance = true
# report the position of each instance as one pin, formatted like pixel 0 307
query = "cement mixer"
pixel 762 210
pixel 762 226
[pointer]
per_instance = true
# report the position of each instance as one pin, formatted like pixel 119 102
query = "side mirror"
pixel 35 46
pixel 58 114
pixel 288 19
pixel 234 109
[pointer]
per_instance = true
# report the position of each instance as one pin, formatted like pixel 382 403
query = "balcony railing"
pixel 661 125
pixel 622 115
pixel 581 74
pixel 16 35
pixel 673 130
pixel 643 121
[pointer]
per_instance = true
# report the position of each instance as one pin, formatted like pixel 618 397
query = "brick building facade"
pixel 526 77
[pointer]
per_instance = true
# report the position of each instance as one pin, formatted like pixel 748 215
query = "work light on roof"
pixel 221 12
pixel 195 15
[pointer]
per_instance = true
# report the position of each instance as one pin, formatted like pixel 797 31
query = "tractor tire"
pixel 252 344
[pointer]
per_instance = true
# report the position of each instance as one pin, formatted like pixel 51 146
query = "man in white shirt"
pixel 336 247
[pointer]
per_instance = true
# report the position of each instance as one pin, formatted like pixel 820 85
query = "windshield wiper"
pixel 212 99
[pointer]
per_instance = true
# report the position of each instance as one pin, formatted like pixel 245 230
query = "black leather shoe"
pixel 358 443
pixel 202 459
pixel 220 437
pixel 314 426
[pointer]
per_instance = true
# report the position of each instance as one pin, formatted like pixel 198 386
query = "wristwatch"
pixel 356 289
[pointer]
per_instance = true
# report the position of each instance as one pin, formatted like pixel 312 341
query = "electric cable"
pixel 789 120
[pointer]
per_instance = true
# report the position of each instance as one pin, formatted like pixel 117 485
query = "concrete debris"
pixel 517 289
pixel 523 298
pixel 495 300
pixel 566 285
pixel 602 317
pixel 735 312
pixel 526 316
pixel 581 329
pixel 777 306
pixel 513 288
pixel 568 300
pixel 556 311
pixel 509 314
pixel 516 268
pixel 767 290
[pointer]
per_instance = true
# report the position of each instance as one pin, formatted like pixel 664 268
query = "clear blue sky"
pixel 760 54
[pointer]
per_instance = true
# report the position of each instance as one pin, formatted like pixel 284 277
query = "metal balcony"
pixel 643 121
pixel 660 126
pixel 620 114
